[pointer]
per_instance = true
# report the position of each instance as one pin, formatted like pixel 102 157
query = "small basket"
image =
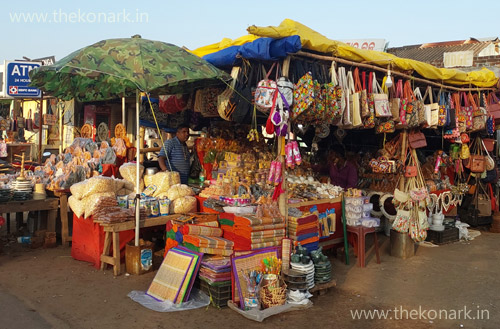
pixel 272 296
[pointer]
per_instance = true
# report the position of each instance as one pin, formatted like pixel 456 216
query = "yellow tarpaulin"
pixel 225 43
pixel 313 40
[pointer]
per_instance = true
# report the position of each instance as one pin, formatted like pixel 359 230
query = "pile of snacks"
pixel 302 187
pixel 80 161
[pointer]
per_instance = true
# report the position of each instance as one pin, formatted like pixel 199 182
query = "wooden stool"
pixel 359 233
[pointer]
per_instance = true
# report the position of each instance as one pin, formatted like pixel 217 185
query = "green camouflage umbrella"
pixel 117 68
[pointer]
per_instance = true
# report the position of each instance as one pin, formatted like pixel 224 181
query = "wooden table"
pixel 18 207
pixel 63 204
pixel 112 235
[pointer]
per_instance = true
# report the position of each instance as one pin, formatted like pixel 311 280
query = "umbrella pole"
pixel 137 178
pixel 123 111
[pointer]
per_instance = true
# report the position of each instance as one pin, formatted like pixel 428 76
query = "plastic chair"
pixel 359 233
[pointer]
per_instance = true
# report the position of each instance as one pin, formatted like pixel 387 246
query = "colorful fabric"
pixel 307 236
pixel 201 230
pixel 226 222
pixel 260 234
pixel 310 240
pixel 303 220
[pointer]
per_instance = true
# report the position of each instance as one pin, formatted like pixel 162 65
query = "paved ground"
pixel 46 288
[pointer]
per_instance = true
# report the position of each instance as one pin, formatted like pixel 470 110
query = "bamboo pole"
pixel 283 199
pixel 403 157
pixel 381 69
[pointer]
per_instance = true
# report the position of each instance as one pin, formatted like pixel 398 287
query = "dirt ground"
pixel 46 288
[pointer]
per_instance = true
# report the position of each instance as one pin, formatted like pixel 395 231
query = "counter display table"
pixel 49 204
pixel 112 236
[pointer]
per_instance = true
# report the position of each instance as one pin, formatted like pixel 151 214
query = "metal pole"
pixel 40 134
pixel 137 179
pixel 61 130
pixel 123 111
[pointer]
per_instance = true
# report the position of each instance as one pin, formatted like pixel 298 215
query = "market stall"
pixel 271 189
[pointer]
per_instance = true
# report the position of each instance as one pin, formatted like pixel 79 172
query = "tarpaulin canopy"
pixel 315 41
pixel 264 49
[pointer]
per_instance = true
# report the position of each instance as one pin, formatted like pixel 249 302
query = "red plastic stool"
pixel 359 233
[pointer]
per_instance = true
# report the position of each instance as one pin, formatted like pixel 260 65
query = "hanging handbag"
pixel 29 122
pixel 483 201
pixel 332 107
pixel 412 107
pixel 489 144
pixel 363 97
pixel 354 102
pixel 419 104
pixel 477 161
pixel 443 113
pixel 493 106
pixel 36 118
pixel 21 122
pixel 380 99
pixel 303 95
pixel 267 92
pixel 417 139
pixel 242 98
pixel 49 118
pixel 224 106
pixel 395 101
pixel 489 162
pixel 434 107
pixel 369 121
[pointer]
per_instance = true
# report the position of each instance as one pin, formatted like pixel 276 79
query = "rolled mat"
pixel 201 230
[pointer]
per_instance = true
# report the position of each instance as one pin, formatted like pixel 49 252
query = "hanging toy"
pixel 272 172
pixel 289 156
pixel 296 153
pixel 277 173
pixel 438 162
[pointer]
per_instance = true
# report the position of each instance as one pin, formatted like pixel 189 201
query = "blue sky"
pixel 193 24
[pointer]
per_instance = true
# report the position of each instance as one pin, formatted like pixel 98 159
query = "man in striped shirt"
pixel 178 154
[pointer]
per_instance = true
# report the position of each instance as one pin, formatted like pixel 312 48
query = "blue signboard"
pixel 17 79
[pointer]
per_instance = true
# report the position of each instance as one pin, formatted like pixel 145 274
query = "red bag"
pixel 489 144
pixel 417 139
pixel 493 106
pixel 171 104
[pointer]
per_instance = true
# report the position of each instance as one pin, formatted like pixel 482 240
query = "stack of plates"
pixel 308 270
pixel 5 195
pixel 323 272
pixel 295 280
pixel 21 190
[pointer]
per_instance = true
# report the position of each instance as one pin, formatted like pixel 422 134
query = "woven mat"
pixel 170 277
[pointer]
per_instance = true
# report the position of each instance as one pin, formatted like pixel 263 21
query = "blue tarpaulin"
pixel 264 49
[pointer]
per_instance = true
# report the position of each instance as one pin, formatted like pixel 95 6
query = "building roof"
pixel 433 52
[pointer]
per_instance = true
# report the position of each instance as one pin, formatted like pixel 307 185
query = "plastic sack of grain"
pixel 164 180
pixel 124 191
pixel 78 189
pixel 178 191
pixel 99 184
pixel 95 202
pixel 128 171
pixel 184 205
pixel 76 206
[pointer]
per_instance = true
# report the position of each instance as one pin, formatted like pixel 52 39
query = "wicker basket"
pixel 271 296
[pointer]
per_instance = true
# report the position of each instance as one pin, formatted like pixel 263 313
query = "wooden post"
pixel 283 199
pixel 403 156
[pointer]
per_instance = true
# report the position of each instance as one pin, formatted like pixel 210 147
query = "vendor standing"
pixel 343 171
pixel 178 154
